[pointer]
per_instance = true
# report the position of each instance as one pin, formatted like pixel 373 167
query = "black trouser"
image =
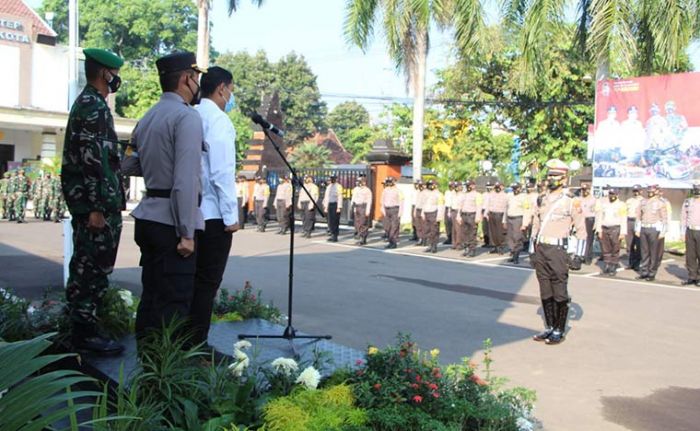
pixel 260 213
pixel 242 206
pixel 485 232
pixel 515 233
pixel 634 252
pixel 448 223
pixel 469 229
pixel 649 240
pixel 333 219
pixel 551 265
pixel 361 221
pixel 167 277
pixel 282 214
pixel 419 224
pixel 308 216
pixel 213 247
pixel 692 253
pixel 610 244
pixel 391 221
pixel 590 237
pixel 413 222
pixel 496 232
pixel 431 228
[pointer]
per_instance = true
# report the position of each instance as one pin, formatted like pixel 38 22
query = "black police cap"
pixel 178 61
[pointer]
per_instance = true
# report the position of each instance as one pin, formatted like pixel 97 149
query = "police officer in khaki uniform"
pixel 433 206
pixel 333 205
pixel 516 219
pixel 454 208
pixel 242 197
pixel 168 143
pixel 495 208
pixel 610 223
pixel 469 217
pixel 415 216
pixel 661 245
pixel 634 253
pixel 450 195
pixel 690 225
pixel 588 204
pixel 362 201
pixel 283 204
pixel 420 220
pixel 552 222
pixel 651 224
pixel 306 206
pixel 261 194
pixel 392 208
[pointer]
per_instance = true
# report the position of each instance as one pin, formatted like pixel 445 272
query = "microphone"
pixel 259 120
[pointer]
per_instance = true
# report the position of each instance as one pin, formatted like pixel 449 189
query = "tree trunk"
pixel 203 33
pixel 419 103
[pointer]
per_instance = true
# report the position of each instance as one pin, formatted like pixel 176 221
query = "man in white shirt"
pixel 219 201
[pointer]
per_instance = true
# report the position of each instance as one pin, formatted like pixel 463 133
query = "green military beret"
pixel 106 58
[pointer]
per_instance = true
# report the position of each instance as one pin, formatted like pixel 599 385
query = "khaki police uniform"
pixel 305 204
pixel 469 217
pixel 283 204
pixel 433 206
pixel 651 223
pixel 690 225
pixel 392 207
pixel 516 218
pixel 362 201
pixel 634 252
pixel 495 208
pixel 261 194
pixel 610 223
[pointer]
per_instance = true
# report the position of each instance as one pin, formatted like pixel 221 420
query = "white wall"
pixel 49 78
pixel 23 142
pixel 9 76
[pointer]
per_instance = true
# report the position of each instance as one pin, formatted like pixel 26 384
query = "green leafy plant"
pixel 33 401
pixel 244 304
pixel 117 312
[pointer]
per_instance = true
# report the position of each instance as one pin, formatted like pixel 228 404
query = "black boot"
pixel 85 338
pixel 688 282
pixel 433 249
pixel 557 336
pixel 549 310
pixel 516 257
pixel 512 258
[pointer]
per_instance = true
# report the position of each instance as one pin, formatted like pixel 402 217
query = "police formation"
pixel 16 190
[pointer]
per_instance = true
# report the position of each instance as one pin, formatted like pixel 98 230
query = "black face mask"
pixel 516 192
pixel 612 198
pixel 197 95
pixel 114 83
pixel 554 183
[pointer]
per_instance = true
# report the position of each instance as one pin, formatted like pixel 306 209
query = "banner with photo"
pixel 647 131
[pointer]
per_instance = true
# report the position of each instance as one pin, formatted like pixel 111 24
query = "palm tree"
pixel 406 26
pixel 203 27
pixel 621 36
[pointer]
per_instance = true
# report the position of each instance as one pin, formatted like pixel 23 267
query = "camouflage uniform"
pixel 11 187
pixel 91 182
pixel 21 194
pixel 4 185
pixel 34 194
pixel 45 197
pixel 57 204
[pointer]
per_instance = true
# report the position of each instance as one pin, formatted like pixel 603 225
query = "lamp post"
pixel 72 51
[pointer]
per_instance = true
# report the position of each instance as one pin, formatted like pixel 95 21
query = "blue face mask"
pixel 230 104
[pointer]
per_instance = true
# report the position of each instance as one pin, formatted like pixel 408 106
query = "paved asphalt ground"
pixel 630 360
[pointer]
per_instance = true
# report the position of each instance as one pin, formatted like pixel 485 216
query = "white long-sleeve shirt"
pixel 218 165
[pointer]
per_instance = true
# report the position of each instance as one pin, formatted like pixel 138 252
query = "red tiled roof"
pixel 20 9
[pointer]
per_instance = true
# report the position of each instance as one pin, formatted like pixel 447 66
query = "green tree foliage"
pixel 300 99
pixel 140 89
pixel 134 29
pixel 346 117
pixel 310 155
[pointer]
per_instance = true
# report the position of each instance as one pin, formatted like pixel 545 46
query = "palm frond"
pixel 672 26
pixel 359 22
pixel 513 12
pixel 469 26
pixel 233 5
pixel 583 24
pixel 611 39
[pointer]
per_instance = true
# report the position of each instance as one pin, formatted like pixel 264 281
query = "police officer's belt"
pixel 391 208
pixel 631 218
pixel 691 227
pixel 553 241
pixel 159 193
pixel 514 217
pixel 649 225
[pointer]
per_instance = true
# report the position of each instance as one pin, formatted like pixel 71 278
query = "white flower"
pixel 241 363
pixel 242 345
pixel 310 378
pixel 524 425
pixel 31 309
pixel 285 365
pixel 127 297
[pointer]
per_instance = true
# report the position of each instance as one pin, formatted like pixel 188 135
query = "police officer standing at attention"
pixel 333 205
pixel 469 217
pixel 261 194
pixel 588 205
pixel 362 199
pixel 516 220
pixel 305 204
pixel 690 226
pixel 651 224
pixel 634 253
pixel 432 205
pixel 610 223
pixel 283 203
pixel 552 223
pixel 495 208
pixel 91 184
pixel 241 197
pixel 168 143
pixel 392 208
pixel 450 196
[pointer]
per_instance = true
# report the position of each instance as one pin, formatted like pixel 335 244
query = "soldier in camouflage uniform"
pixel 57 203
pixel 45 197
pixel 21 195
pixel 4 185
pixel 93 190
pixel 11 188
pixel 34 194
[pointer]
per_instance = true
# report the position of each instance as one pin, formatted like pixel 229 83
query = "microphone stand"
pixel 290 333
